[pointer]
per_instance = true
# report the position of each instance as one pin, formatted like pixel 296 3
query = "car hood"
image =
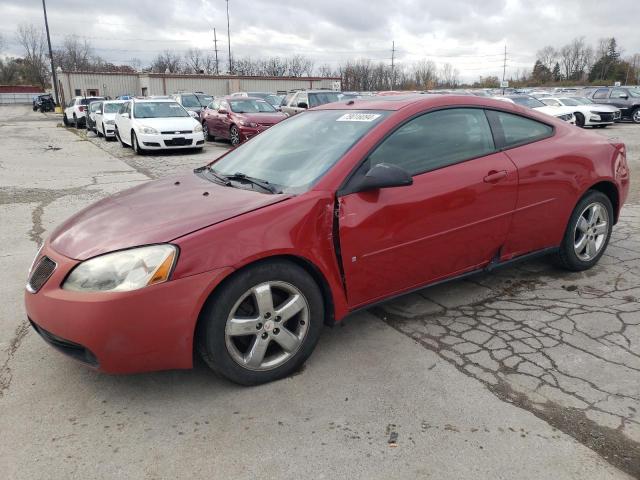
pixel 555 111
pixel 169 124
pixel 109 116
pixel 154 212
pixel 262 118
pixel 600 107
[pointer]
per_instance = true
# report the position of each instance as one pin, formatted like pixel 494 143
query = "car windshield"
pixel 204 99
pixel 569 102
pixel 159 110
pixel 248 105
pixel 273 99
pixel 112 107
pixel 320 98
pixel 529 102
pixel 190 101
pixel 87 101
pixel 294 154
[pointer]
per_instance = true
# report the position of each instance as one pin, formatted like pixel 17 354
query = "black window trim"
pixel 347 185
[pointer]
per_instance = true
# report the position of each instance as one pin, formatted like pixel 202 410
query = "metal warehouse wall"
pixel 114 84
pixel 106 84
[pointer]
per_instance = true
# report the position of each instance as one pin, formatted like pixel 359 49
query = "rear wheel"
pixel 262 324
pixel 75 121
pixel 234 135
pixel 207 133
pixel 588 232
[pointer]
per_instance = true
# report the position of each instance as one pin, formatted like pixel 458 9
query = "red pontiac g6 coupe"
pixel 325 213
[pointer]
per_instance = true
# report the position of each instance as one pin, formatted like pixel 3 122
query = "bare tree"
pixel 548 56
pixel 449 76
pixel 195 61
pixel 167 61
pixel 32 41
pixel 298 66
pixel 576 58
pixel 425 73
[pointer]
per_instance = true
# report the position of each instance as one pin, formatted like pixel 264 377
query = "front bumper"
pixel 121 332
pixel 171 141
pixel 247 132
pixel 109 130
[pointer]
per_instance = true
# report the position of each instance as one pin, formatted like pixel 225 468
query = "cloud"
pixel 469 34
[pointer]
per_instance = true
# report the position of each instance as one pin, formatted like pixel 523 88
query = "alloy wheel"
pixel 267 325
pixel 591 232
pixel 636 115
pixel 235 136
pixel 205 130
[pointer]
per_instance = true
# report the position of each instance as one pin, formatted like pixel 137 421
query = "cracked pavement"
pixel 528 372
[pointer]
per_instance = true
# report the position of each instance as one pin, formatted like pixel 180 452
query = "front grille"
pixel 67 347
pixel 41 273
pixel 178 142
pixel 606 117
pixel 176 132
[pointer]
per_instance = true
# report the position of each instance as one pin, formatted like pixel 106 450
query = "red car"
pixel 238 118
pixel 334 210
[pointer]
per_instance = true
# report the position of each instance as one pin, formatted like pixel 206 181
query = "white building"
pixel 108 84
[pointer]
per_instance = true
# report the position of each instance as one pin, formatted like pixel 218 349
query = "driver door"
pixel 453 218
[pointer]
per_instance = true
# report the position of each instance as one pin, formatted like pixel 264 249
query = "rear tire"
pixel 290 313
pixel 588 232
pixel 75 121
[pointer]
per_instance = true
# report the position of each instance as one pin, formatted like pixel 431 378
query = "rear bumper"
pixel 121 332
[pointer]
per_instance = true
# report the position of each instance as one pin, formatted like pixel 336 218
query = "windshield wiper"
pixel 203 171
pixel 256 181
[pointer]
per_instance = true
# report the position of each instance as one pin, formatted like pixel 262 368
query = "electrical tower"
pixel 215 47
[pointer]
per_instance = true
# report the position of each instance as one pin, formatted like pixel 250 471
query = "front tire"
pixel 135 144
pixel 234 136
pixel 588 232
pixel 262 324
pixel 65 120
pixel 635 115
pixel 207 133
pixel 579 119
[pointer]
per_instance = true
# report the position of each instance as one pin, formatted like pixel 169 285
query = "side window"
pixel 617 92
pixel 95 106
pixel 302 97
pixel 601 93
pixel 436 140
pixel 519 130
pixel 287 100
pixel 551 102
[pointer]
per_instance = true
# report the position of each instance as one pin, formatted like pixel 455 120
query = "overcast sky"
pixel 470 34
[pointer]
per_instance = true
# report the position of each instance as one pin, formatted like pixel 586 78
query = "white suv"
pixel 76 110
pixel 155 124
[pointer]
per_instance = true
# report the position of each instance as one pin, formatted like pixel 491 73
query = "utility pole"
pixel 53 70
pixel 215 47
pixel 393 57
pixel 229 40
pixel 504 66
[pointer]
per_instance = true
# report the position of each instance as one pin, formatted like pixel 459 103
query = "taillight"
pixel 82 108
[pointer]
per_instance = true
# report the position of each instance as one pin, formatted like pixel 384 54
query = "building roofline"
pixel 194 75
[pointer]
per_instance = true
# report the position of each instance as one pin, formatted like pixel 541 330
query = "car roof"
pixel 397 102
pixel 151 99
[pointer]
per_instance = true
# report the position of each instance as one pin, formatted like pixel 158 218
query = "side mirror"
pixel 222 111
pixel 98 112
pixel 193 114
pixel 303 105
pixel 125 115
pixel 623 95
pixel 383 175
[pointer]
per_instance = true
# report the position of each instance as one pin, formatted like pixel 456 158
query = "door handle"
pixel 495 176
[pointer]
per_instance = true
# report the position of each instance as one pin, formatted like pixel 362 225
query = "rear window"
pixel 190 101
pixel 316 99
pixel 519 130
pixel 601 93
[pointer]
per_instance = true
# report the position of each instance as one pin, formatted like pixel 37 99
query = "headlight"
pixel 123 271
pixel 147 130
pixel 197 128
pixel 110 122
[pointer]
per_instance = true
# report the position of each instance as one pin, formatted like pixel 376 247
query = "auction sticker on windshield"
pixel 358 117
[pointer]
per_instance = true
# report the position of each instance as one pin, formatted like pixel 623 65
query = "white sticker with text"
pixel 358 117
